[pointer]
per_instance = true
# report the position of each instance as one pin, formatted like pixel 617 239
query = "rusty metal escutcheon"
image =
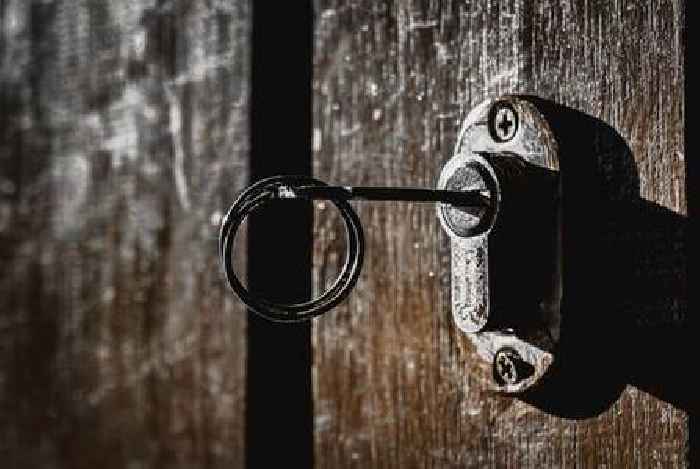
pixel 507 148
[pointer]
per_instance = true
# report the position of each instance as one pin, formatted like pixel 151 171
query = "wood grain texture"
pixel 393 80
pixel 123 135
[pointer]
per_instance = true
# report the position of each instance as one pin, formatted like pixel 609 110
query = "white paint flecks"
pixel 178 149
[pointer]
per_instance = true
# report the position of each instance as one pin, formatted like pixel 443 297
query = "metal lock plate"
pixel 512 319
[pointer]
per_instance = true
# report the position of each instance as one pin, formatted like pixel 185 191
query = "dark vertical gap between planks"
pixel 693 201
pixel 279 401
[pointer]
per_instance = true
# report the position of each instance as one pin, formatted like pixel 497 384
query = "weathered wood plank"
pixel 393 80
pixel 124 134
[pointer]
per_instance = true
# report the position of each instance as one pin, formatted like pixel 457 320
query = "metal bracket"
pixel 506 257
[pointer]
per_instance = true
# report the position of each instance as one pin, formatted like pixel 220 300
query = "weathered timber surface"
pixel 123 134
pixel 395 383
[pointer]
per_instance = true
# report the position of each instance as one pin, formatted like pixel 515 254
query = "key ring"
pixel 282 187
pixel 306 187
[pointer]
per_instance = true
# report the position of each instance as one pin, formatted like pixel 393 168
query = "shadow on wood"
pixel 624 306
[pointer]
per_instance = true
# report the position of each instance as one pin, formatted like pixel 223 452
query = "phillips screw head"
pixel 503 122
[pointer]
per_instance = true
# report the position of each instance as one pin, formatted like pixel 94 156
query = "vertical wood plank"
pixel 392 381
pixel 124 134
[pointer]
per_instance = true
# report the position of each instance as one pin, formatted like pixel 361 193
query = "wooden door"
pixel 123 134
pixel 395 383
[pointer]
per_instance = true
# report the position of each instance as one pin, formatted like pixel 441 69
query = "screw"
pixel 509 368
pixel 503 121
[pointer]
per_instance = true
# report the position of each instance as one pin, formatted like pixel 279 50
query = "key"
pixel 304 187
pixel 387 194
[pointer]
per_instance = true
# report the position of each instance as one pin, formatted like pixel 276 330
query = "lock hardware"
pixel 506 257
pixel 498 200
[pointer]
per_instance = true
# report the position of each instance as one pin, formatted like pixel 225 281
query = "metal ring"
pixel 252 198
